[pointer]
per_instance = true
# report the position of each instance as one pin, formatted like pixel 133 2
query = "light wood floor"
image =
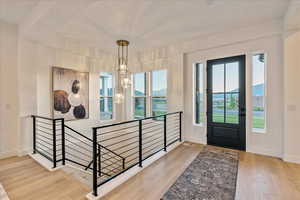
pixel 259 178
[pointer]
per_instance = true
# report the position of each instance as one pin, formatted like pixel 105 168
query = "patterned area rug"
pixel 3 195
pixel 211 176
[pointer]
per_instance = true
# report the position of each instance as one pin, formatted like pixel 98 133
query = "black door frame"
pixel 241 127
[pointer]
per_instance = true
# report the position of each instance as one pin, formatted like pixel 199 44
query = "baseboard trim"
pixel 8 154
pixel 44 162
pixel 262 151
pixel 292 159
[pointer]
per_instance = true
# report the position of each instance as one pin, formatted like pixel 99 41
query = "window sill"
pixel 199 125
pixel 258 131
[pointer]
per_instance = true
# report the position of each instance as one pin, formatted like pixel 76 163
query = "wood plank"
pixel 259 178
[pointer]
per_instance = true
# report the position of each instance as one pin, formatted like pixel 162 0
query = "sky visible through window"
pixel 139 84
pixel 159 83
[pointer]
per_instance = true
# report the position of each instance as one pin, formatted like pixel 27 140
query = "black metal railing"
pixel 133 141
pixel 112 150
pixel 48 138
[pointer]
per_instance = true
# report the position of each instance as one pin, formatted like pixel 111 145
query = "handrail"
pixel 136 120
pixel 48 118
pixel 92 141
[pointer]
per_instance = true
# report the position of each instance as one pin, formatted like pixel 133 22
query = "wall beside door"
pixel 292 97
pixel 270 142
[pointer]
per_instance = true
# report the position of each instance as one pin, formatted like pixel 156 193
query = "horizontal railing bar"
pixel 153 145
pixel 110 170
pixel 87 155
pixel 109 158
pixel 129 150
pixel 111 151
pixel 107 154
pixel 173 142
pixel 173 130
pixel 78 139
pixel 44 145
pixel 39 139
pixel 121 129
pixel 150 142
pixel 46 156
pixel 44 151
pixel 83 165
pixel 149 127
pixel 152 154
pixel 133 160
pixel 145 132
pixel 135 120
pixel 153 148
pixel 114 176
pixel 118 136
pixel 37 121
pixel 79 133
pixel 171 139
pixel 89 150
pixel 150 136
pixel 118 142
pixel 40 135
pixel 126 145
pixel 68 153
pixel 157 132
pixel 127 156
pixel 111 164
pixel 39 126
pixel 43 131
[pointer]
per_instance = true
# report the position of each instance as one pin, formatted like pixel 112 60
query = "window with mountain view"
pixel 106 96
pixel 159 92
pixel 139 95
pixel 199 99
pixel 258 92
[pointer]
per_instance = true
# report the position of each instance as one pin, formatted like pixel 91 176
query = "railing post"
pixel 99 159
pixel 140 144
pixel 180 126
pixel 95 192
pixel 123 163
pixel 34 134
pixel 165 133
pixel 63 147
pixel 54 142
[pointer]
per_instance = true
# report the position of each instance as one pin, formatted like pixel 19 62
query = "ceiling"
pixel 146 23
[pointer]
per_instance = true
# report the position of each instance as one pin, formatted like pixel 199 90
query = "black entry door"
pixel 226 111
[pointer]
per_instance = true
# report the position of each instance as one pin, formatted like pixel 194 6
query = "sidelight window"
pixel 258 92
pixel 199 93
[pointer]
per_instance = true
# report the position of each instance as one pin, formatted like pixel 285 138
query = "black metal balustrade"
pixel 134 141
pixel 48 138
pixel 112 150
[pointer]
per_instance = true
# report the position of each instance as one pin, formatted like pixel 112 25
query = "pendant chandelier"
pixel 124 81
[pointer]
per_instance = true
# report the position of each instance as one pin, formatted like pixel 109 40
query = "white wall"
pixel 241 42
pixel 292 97
pixel 35 67
pixel 9 107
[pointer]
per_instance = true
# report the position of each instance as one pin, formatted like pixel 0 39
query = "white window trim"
pixel 202 124
pixel 258 130
pixel 133 94
pixel 150 91
pixel 113 99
